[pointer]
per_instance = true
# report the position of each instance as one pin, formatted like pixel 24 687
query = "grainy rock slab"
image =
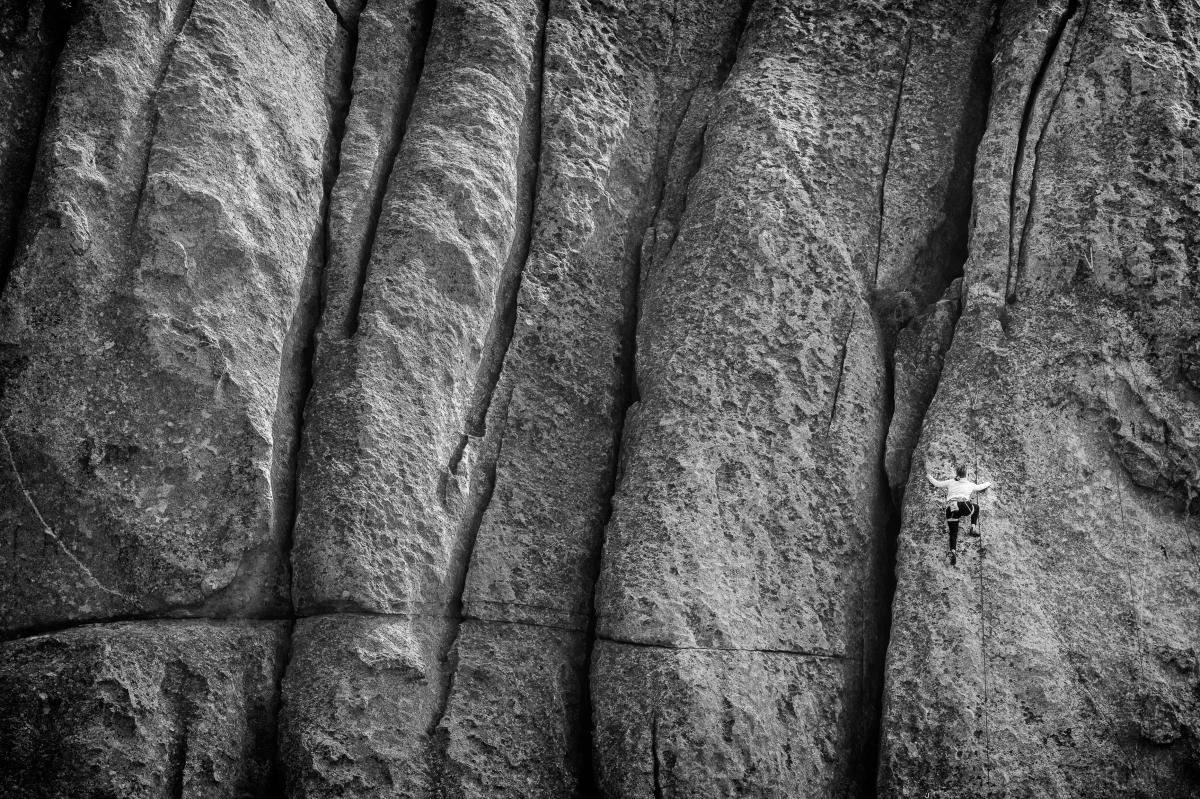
pixel 144 334
pixel 387 485
pixel 516 724
pixel 674 723
pixel 360 699
pixel 1061 660
pixel 916 374
pixel 31 36
pixel 142 709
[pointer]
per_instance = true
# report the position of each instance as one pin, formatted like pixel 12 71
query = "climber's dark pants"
pixel 954 512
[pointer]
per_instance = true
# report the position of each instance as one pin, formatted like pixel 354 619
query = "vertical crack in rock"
pixel 837 385
pixel 383 170
pixel 338 14
pixel 655 760
pixel 887 163
pixel 180 684
pixel 1030 206
pixel 296 363
pixel 508 291
pixel 959 196
pixel 629 387
pixel 297 358
pixel 56 20
pixel 1035 90
pixel 182 14
pixel 487 413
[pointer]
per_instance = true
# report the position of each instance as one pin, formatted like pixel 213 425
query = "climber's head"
pixel 960 472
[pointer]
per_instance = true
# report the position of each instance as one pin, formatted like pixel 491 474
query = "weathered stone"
pixel 679 722
pixel 516 721
pixel 506 242
pixel 145 330
pixel 387 484
pixel 916 373
pixel 360 700
pixel 31 36
pixel 764 532
pixel 142 709
pixel 1059 660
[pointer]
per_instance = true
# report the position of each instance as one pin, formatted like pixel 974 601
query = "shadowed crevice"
pixel 182 14
pixel 1031 205
pixel 837 386
pixel 808 653
pixel 55 23
pixel 887 157
pixel 487 414
pixel 1035 90
pixel 383 171
pixel 629 392
pixel 940 262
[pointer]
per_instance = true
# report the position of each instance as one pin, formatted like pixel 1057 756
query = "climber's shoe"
pixel 974 530
pixel 953 557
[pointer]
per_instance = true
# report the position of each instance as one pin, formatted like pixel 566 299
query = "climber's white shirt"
pixel 958 489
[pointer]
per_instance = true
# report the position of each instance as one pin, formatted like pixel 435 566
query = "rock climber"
pixel 959 494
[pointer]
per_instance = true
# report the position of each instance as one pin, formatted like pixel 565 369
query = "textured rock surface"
pixel 1061 660
pixel 146 321
pixel 555 381
pixel 166 708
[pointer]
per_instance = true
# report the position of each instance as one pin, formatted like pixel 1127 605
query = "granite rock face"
pixel 534 399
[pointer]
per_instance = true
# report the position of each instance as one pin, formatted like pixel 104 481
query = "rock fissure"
pixel 811 653
pixel 52 33
pixel 959 199
pixel 629 385
pixel 1031 206
pixel 47 529
pixel 837 384
pixel 504 317
pixel 479 422
pixel 655 760
pixel 299 360
pixel 887 158
pixel 337 13
pixel 1035 90
pixel 182 15
pixel 382 173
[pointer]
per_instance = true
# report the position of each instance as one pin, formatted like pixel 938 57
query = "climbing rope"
pixel 1133 607
pixel 987 733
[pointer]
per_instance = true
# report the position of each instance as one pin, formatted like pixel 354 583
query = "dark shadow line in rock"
pixel 508 289
pixel 837 385
pixel 276 787
pixel 476 423
pixel 811 653
pixel 296 377
pixel 521 623
pixel 183 14
pixel 178 682
pixel 1031 205
pixel 655 759
pixel 887 158
pixel 53 628
pixel 57 19
pixel 631 393
pixel 338 14
pixel 383 174
pixel 1031 100
pixel 965 157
